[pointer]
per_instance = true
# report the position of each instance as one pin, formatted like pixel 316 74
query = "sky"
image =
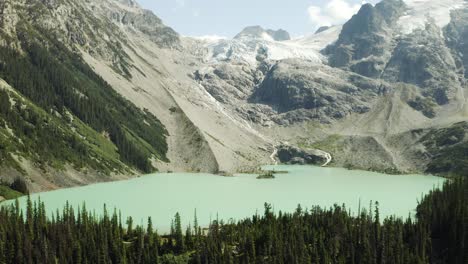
pixel 226 18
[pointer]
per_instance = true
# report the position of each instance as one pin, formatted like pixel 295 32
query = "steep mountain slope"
pixel 177 125
pixel 203 136
pixel 71 116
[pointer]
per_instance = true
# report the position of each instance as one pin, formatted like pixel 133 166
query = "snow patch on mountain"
pixel 247 49
pixel 319 40
pixel 419 11
pixel 210 38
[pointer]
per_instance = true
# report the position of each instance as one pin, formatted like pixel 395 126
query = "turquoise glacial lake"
pixel 162 195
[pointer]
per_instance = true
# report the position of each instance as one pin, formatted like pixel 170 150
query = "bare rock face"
pixel 371 44
pixel 366 39
pixel 151 25
pixel 279 35
pixel 302 91
pixel 293 155
pixel 456 34
pixel 423 59
pixel 237 81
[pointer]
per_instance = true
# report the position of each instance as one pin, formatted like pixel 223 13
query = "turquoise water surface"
pixel 162 195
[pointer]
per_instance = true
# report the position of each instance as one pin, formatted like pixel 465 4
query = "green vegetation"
pixel 7 193
pixel 437 235
pixel 447 136
pixel 450 161
pixel 332 143
pixel 70 114
pixel 449 150
pixel 14 190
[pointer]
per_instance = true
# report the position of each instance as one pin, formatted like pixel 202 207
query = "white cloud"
pixel 333 13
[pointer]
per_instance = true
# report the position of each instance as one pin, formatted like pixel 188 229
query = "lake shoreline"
pixel 226 174
pixel 162 195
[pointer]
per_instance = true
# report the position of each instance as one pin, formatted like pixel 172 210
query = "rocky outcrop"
pixel 293 155
pixel 237 81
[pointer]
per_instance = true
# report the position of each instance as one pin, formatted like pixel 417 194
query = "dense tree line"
pixel 437 235
pixel 35 132
pixel 59 81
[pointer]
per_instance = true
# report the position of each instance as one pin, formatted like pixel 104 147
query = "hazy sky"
pixel 228 17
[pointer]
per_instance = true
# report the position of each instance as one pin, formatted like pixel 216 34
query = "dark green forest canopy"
pixel 449 149
pixel 64 87
pixel 438 235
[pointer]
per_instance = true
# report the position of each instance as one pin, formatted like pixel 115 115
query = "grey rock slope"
pixel 423 59
pixel 456 33
pixel 295 85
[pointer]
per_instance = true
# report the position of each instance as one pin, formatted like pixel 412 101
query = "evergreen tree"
pixel 178 235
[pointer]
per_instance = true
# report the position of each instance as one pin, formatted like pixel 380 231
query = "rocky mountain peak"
pixel 260 33
pixel 391 10
pixel 279 35
pixel 365 42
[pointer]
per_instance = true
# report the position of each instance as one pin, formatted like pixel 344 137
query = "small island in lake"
pixel 267 175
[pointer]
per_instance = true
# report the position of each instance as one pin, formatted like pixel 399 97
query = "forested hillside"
pixel 437 235
pixel 60 112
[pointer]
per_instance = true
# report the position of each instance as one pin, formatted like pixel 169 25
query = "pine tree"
pixel 178 235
